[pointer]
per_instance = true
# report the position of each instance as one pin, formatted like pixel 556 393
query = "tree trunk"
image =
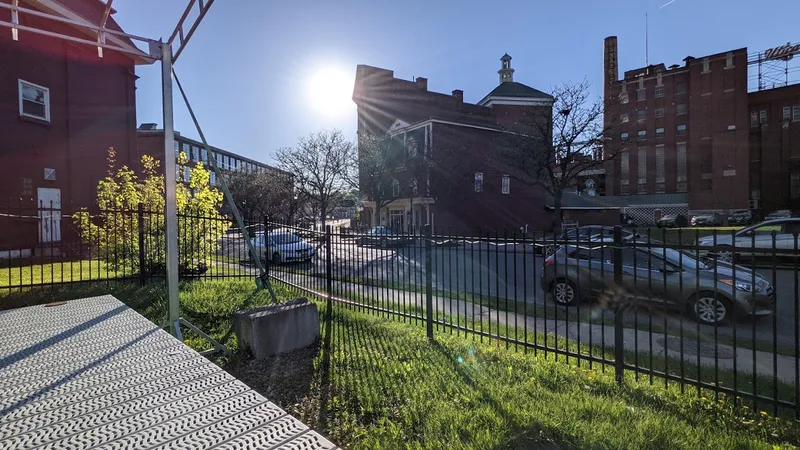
pixel 377 215
pixel 557 212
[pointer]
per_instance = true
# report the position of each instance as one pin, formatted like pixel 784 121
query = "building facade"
pixel 699 129
pixel 61 108
pixel 451 177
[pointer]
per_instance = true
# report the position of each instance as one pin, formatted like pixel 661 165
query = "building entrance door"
pixel 49 215
pixel 397 220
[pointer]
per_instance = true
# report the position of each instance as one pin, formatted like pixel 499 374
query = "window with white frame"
pixel 623 118
pixel 659 133
pixel 34 101
pixel 681 129
pixel 729 60
pixel 762 116
pixel 796 113
pixel 478 181
pixel 660 91
pixel 706 65
pixel 623 97
pixel 506 185
pixel 753 119
pixel 642 135
pixel 623 137
pixel 659 112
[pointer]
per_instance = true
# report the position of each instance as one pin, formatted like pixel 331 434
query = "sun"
pixel 330 89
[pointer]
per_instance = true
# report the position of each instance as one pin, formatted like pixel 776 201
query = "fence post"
pixel 267 256
pixel 328 265
pixel 428 282
pixel 140 216
pixel 619 349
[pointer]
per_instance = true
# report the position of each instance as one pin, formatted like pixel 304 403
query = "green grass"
pixel 59 272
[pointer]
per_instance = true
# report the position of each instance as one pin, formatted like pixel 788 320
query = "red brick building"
pixel 694 129
pixel 61 108
pixel 452 177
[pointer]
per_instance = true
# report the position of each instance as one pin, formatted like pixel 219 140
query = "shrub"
pixel 113 234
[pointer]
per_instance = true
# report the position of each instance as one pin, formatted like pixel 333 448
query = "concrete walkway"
pixel 695 351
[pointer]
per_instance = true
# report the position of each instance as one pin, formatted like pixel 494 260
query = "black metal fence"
pixel 713 311
pixel 717 312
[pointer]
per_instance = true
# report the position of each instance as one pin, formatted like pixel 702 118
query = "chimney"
pixel 422 83
pixel 610 63
pixel 459 95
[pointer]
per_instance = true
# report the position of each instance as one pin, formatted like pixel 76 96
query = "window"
pixel 623 137
pixel 659 164
pixel 642 135
pixel 641 95
pixel 213 179
pixel 623 97
pixel 187 150
pixel 659 133
pixel 642 160
pixel 34 101
pixel 187 174
pixel 195 153
pixel 641 115
pixel 203 155
pixel 680 88
pixel 681 157
pixel 729 60
pixel 753 119
pixel 762 116
pixel 177 148
pixel 478 181
pixel 680 109
pixel 624 167
pixel 681 129
pixel 706 65
pixel 659 112
pixel 395 188
pixel 794 185
pixel 787 112
pixel 796 113
pixel 623 118
pixel 505 186
pixel 660 91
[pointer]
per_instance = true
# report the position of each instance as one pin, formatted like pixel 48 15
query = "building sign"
pixel 784 52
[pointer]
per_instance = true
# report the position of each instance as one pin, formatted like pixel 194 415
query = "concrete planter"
pixel 274 329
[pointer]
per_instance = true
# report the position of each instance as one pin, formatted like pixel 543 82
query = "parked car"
pixel 672 221
pixel 706 220
pixel 755 242
pixel 383 237
pixel 588 233
pixel 779 214
pixel 283 246
pixel 741 217
pixel 659 277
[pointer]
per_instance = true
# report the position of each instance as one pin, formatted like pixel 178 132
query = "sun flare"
pixel 330 89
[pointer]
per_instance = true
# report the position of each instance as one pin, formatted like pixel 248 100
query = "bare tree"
pixel 377 163
pixel 551 147
pixel 320 164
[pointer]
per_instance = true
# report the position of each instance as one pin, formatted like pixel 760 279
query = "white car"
pixel 773 238
pixel 283 246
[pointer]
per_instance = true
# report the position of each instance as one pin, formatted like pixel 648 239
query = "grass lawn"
pixel 58 272
pixel 382 384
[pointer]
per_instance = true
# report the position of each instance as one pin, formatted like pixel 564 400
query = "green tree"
pixel 113 234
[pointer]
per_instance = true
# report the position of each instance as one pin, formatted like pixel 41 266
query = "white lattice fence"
pixel 645 215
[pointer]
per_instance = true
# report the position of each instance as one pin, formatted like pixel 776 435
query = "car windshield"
pixel 740 213
pixel 678 258
pixel 669 217
pixel 380 230
pixel 284 238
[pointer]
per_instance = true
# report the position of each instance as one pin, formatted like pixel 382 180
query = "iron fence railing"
pixel 713 311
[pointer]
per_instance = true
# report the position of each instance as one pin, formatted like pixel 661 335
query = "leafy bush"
pixel 113 234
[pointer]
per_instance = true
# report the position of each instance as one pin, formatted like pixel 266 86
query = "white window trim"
pixel 505 184
pixel 20 83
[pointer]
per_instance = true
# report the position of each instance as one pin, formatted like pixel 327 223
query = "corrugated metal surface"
pixel 92 373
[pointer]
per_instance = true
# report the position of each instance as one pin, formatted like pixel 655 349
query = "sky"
pixel 260 74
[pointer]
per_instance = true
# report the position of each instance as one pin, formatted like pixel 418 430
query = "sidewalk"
pixel 642 341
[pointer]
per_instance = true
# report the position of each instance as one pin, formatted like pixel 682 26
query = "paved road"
pixel 512 271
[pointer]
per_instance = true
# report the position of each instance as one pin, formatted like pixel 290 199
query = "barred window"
pixel 659 164
pixel 642 161
pixel 478 181
pixel 681 157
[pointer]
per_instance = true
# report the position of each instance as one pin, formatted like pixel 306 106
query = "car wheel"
pixel 724 254
pixel 276 258
pixel 548 250
pixel 710 309
pixel 564 292
pixel 384 243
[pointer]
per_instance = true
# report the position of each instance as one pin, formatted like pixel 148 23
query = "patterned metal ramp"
pixel 92 373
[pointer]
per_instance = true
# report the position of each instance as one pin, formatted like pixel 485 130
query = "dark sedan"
pixel 706 220
pixel 742 217
pixel 383 237
pixel 672 221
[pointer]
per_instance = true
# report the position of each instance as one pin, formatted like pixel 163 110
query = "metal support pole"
pixel 619 348
pixel 171 208
pixel 428 283
pixel 328 266
pixel 142 264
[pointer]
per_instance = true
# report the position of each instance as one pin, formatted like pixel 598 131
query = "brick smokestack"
pixel 610 64
pixel 459 95
pixel 422 83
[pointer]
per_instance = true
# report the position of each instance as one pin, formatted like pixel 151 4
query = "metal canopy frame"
pixel 161 51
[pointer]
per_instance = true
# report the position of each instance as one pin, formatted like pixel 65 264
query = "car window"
pixel 284 238
pixel 765 230
pixel 601 253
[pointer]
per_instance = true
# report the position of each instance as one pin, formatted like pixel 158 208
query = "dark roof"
pixel 514 89
pixel 573 201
